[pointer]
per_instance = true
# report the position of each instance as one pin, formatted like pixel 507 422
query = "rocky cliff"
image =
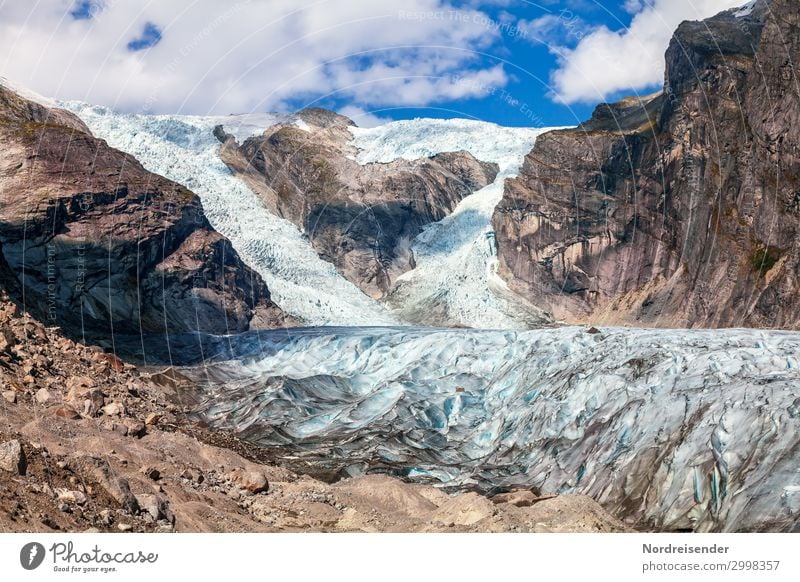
pixel 361 218
pixel 680 209
pixel 98 245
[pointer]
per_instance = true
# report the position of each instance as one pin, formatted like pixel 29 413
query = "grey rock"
pixel 135 428
pixel 151 473
pixel 117 487
pixel 114 409
pixel 12 458
pixel 71 496
pixel 44 396
pixel 154 505
pixel 250 481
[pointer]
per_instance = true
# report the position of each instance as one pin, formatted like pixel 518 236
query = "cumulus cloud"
pixel 208 56
pixel 607 61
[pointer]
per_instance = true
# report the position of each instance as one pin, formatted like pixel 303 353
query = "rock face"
pixel 361 218
pixel 99 245
pixel 677 210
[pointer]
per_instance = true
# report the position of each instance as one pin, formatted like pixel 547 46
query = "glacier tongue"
pixel 671 429
pixel 184 149
pixel 454 281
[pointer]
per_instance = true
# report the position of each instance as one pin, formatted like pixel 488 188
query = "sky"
pixel 512 62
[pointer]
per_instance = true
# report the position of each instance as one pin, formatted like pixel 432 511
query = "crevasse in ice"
pixel 673 429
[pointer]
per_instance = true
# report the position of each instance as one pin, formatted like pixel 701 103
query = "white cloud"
pixel 607 61
pixel 632 6
pixel 247 55
pixel 361 117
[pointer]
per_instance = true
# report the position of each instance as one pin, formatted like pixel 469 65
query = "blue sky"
pixel 513 62
pixel 529 60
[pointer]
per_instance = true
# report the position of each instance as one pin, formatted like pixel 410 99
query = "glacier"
pixel 455 280
pixel 669 430
pixel 184 149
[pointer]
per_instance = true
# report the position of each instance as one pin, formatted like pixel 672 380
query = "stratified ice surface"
pixel 672 429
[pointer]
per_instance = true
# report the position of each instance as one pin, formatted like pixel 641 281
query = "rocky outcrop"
pixel 361 218
pixel 93 242
pixel 680 209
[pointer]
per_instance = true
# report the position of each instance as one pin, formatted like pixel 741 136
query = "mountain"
pixel 675 209
pixel 185 149
pixel 100 246
pixel 679 209
pixel 95 243
pixel 453 281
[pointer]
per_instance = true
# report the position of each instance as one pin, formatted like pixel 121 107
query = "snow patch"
pixel 745 10
pixel 423 138
pixel 302 124
pixel 243 126
pixel 26 93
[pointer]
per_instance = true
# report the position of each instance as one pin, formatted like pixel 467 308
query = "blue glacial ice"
pixel 667 429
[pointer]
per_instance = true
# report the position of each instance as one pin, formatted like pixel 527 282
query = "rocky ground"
pixel 88 442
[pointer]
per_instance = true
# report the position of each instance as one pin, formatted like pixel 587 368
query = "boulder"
pixel 67 412
pixel 134 427
pixel 250 481
pixel 12 458
pixel 44 396
pixel 114 409
pixel 155 505
pixel 71 496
